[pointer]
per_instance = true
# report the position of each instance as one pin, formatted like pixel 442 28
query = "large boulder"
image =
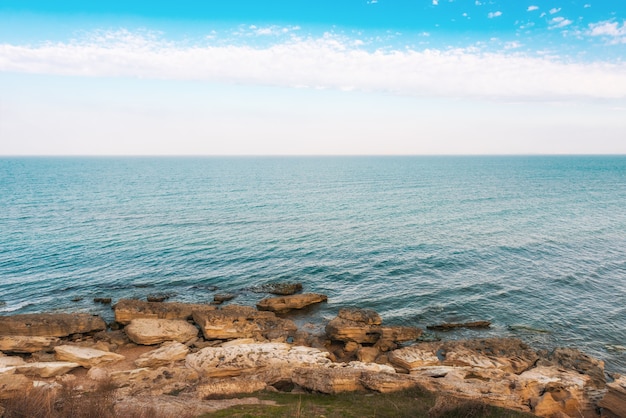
pixel 337 377
pixel 268 361
pixel 86 357
pixel 285 304
pixel 167 353
pixel 614 402
pixel 26 344
pixel 50 324
pixel 339 329
pixel 232 322
pixel 155 331
pixel 47 369
pixel 128 309
pixel 152 382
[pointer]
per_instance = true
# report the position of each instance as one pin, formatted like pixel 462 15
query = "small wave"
pixel 12 308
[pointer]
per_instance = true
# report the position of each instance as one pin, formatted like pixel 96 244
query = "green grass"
pixel 413 403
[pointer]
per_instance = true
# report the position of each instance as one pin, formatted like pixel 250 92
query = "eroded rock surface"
pixel 50 324
pixel 167 353
pixel 47 369
pixel 614 402
pixel 232 322
pixel 285 304
pixel 86 357
pixel 148 331
pixel 26 344
pixel 128 309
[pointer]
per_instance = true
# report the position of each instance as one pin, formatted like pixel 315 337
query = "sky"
pixel 303 77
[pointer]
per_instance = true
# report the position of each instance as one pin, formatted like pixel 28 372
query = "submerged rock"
pixel 50 324
pixel 451 326
pixel 282 289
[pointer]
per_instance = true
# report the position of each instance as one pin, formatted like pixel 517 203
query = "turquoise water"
pixel 537 245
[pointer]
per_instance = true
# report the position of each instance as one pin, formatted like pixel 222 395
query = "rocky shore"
pixel 188 359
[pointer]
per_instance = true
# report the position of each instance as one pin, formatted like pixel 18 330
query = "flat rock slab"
pixel 86 357
pixel 285 304
pixel 234 322
pixel 10 361
pixel 155 331
pixel 128 309
pixel 267 361
pixel 26 344
pixel 47 369
pixel 167 353
pixel 50 324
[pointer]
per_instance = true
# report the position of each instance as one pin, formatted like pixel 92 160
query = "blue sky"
pixel 312 77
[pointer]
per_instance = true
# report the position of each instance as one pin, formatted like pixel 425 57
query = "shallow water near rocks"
pixel 536 245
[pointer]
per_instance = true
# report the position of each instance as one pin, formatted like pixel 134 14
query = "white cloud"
pixel 559 22
pixel 435 2
pixel 586 6
pixel 531 8
pixel 491 15
pixel 612 31
pixel 329 62
pixel 554 10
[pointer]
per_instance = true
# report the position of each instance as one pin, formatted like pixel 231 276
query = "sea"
pixel 534 244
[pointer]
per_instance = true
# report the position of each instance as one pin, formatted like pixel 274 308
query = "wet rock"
pixel 128 309
pixel 104 301
pixel 220 298
pixel 26 344
pixel 452 326
pixel 158 298
pixel 147 331
pixel 614 402
pixel 47 369
pixel 167 353
pixel 50 324
pixel 285 304
pixel 86 357
pixel 363 316
pixel 282 289
pixel 232 322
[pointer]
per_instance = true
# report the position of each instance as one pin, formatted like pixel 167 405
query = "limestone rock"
pixel 339 329
pixel 13 385
pixel 387 382
pixel 614 402
pixel 128 309
pixel 26 344
pixel 364 316
pixel 50 324
pixel 217 388
pixel 285 304
pixel 233 322
pixel 47 369
pixel 223 297
pixel 572 359
pixel 153 381
pixel 147 331
pixel 328 380
pixel 367 354
pixel 269 361
pixel 167 353
pixel 86 357
pixel 10 361
pixel 413 357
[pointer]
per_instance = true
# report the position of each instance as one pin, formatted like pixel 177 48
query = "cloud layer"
pixel 328 62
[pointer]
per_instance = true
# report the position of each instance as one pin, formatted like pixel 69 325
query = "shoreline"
pixel 207 351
